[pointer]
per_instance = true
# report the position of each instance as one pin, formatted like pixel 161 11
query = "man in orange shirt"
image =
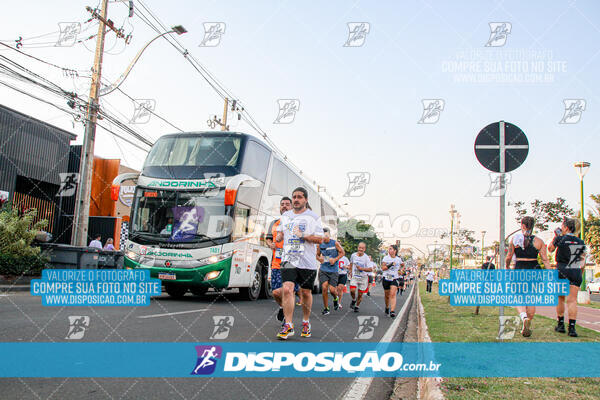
pixel 276 283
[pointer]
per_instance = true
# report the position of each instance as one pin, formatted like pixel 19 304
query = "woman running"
pixel 390 266
pixel 525 247
pixel 570 261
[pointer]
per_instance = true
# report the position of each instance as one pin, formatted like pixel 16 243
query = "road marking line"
pixel 172 313
pixel 360 386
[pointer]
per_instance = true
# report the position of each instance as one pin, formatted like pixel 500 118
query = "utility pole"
pixel 224 126
pixel 82 205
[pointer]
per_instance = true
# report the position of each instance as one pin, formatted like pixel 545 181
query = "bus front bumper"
pixel 189 276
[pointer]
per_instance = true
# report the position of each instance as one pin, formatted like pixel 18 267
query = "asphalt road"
pixel 190 319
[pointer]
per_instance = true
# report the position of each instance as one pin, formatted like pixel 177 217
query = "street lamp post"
pixel 460 246
pixel 582 168
pixel 178 29
pixel 79 234
pixel 482 246
pixel 452 214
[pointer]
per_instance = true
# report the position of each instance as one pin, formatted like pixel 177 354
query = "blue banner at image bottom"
pixel 293 359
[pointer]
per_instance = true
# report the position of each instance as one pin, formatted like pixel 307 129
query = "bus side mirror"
pixel 230 195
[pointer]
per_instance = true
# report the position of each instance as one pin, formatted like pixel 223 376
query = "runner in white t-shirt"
pixel 371 275
pixel 301 230
pixel 360 279
pixel 390 266
pixel 343 265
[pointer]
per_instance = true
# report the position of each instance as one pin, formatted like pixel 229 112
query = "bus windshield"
pixel 178 216
pixel 207 151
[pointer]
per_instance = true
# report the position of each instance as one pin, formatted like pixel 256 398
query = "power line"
pixel 36 58
pixel 172 40
pixel 70 94
pixel 121 137
pixel 23 42
pixel 152 112
pixel 53 87
pixel 76 116
pixel 217 86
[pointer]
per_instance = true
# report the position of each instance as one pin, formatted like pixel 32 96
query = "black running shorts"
pixel 572 274
pixel 387 284
pixel 303 277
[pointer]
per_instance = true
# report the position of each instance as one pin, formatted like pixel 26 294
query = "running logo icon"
pixel 207 359
pixel 432 109
pixel 223 324
pixel 68 32
pixel 498 34
pixel 495 189
pixel 187 220
pixel 357 33
pixel 573 110
pixel 287 111
pixel 213 31
pixel 357 183
pixel 508 327
pixel 77 326
pixel 142 111
pixel 366 327
pixel 68 184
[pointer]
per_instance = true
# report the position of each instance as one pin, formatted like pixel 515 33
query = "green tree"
pixel 17 256
pixel 351 232
pixel 592 229
pixel 461 239
pixel 17 232
pixel 544 212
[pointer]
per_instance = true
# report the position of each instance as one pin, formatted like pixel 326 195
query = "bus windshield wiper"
pixel 203 236
pixel 142 234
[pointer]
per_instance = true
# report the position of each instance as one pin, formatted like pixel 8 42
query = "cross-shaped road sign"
pixel 501 147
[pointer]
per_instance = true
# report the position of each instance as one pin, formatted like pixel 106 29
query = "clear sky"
pixel 359 105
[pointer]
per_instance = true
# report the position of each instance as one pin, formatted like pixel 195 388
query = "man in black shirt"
pixel 570 262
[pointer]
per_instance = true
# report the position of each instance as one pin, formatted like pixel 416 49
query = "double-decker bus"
pixel 202 203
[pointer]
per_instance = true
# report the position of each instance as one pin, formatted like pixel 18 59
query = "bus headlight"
pixel 215 258
pixel 212 275
pixel 132 255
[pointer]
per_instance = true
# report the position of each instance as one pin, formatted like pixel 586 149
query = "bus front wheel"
pixel 175 291
pixel 253 292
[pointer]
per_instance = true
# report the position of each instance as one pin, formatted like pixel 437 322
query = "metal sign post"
pixel 502 143
pixel 501 147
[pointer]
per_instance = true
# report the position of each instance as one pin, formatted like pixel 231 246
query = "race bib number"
pixel 357 272
pixel 278 252
pixel 293 250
